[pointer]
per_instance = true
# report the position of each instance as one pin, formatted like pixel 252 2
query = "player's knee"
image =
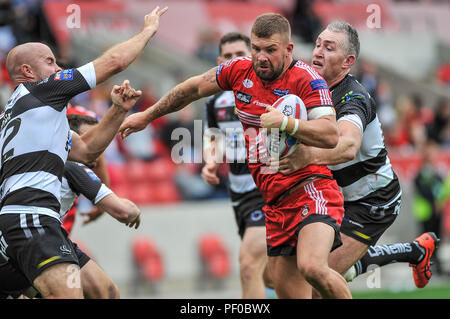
pixel 250 266
pixel 105 289
pixel 113 291
pixel 312 271
pixel 267 278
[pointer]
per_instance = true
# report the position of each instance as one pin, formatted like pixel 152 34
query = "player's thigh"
pixel 315 241
pixel 61 280
pixel 345 256
pixel 96 283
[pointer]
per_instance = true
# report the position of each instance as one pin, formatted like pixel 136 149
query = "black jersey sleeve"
pixel 59 88
pixel 82 180
pixel 358 103
pixel 210 114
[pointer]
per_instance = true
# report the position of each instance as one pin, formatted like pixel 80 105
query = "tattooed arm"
pixel 176 99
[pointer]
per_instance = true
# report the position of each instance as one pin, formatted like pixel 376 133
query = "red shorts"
pixel 318 201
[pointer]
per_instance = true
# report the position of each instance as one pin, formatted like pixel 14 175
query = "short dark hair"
pixel 233 37
pixel 268 24
pixel 76 120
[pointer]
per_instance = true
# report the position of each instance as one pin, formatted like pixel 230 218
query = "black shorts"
pixel 248 210
pixel 14 283
pixel 366 222
pixel 34 242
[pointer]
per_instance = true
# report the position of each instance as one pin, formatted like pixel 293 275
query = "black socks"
pixel 381 255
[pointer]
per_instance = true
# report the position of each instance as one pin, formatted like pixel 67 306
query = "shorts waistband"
pixel 17 209
pixel 300 184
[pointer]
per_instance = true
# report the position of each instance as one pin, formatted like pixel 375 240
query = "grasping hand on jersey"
pixel 300 158
pixel 124 96
pixel 272 119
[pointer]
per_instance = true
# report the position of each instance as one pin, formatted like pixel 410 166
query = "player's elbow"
pixel 331 139
pixel 126 210
pixel 118 62
pixel 349 153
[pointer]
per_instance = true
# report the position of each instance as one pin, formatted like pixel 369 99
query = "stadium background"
pixel 404 62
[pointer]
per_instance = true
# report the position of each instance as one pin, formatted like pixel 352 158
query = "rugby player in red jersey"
pixel 304 209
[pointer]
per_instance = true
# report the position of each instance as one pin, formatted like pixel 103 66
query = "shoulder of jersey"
pixel 239 59
pixel 306 68
pixel 291 105
pixel 353 90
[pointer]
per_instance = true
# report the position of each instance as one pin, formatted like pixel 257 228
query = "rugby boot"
pixel 421 271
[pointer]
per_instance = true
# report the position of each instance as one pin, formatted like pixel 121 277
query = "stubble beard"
pixel 272 75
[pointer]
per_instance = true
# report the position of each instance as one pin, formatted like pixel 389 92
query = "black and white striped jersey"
pixel 35 140
pixel 78 180
pixel 370 170
pixel 221 114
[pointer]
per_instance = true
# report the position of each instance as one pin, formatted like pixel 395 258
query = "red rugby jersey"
pixel 253 96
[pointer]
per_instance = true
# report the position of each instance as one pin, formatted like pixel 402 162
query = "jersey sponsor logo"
pixel 318 84
pixel 67 74
pixel 64 75
pixel 280 92
pixel 65 250
pixel 247 83
pixel 256 102
pixel 305 210
pixel 243 97
pixel 350 96
pixel 91 174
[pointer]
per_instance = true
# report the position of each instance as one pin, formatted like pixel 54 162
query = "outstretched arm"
pixel 176 99
pixel 122 209
pixel 120 56
pixel 87 147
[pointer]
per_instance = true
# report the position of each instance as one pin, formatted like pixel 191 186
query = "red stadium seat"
pixel 122 190
pixel 141 194
pixel 214 255
pixel 165 192
pixel 161 169
pixel 117 174
pixel 135 171
pixel 148 259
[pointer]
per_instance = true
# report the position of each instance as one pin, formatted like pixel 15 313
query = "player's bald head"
pixel 30 54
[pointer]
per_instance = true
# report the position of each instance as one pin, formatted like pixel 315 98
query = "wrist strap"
pixel 284 124
pixel 295 127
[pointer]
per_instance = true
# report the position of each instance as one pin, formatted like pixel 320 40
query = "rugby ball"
pixel 280 144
